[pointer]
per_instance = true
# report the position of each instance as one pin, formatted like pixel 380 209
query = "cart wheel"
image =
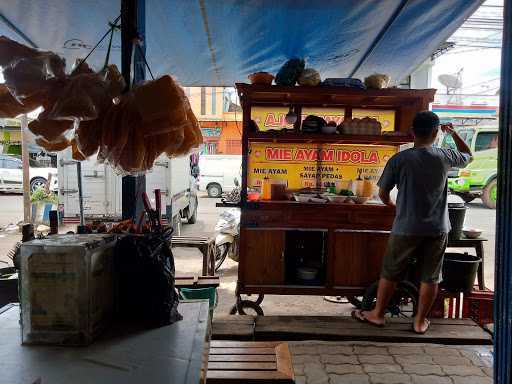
pixel 404 302
pixel 259 300
pixel 249 304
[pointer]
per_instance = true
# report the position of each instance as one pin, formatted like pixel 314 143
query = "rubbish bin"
pixel 457 214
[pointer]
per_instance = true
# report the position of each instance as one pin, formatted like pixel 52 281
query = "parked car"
pixel 11 175
pixel 478 138
pixel 478 179
pixel 217 173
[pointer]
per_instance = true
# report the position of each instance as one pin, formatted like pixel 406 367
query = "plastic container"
pixel 266 192
pixel 459 272
pixel 457 214
pixel 278 189
pixel 67 288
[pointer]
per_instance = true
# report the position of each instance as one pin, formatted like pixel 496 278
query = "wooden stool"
pixel 205 244
pixel 232 362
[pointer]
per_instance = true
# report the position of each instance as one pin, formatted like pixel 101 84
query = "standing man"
pixel 421 225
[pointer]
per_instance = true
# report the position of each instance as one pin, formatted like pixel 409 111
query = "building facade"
pixel 220 118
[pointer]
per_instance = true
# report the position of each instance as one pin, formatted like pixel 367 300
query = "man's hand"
pixel 461 144
pixel 386 199
pixel 448 128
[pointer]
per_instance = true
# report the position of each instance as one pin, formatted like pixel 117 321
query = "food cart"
pixel 316 247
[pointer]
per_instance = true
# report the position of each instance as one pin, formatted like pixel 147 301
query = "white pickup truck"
pixel 102 189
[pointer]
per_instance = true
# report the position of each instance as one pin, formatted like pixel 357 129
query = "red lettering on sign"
pixel 374 158
pixel 355 157
pixel 270 120
pixel 327 155
pixel 278 154
pixel 272 153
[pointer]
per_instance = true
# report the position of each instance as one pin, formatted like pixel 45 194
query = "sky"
pixel 480 67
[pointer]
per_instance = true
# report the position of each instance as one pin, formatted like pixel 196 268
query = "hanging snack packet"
pixel 58 144
pixel 83 98
pixel 160 102
pixel 50 130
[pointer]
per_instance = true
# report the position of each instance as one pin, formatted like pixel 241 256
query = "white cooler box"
pixel 66 288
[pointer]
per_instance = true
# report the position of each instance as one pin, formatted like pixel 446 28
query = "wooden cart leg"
pixel 211 258
pixel 480 273
pixel 204 271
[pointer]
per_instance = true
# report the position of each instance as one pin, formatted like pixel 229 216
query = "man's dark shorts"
pixel 401 250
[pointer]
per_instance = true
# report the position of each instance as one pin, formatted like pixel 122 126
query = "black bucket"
pixel 459 271
pixel 8 287
pixel 457 215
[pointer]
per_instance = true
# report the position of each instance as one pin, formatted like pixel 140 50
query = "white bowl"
pixel 329 129
pixel 317 200
pixel 337 199
pixel 302 198
pixel 305 273
pixel 472 233
pixel 359 199
pixel 308 198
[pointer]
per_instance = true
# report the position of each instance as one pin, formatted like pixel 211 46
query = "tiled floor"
pixel 318 362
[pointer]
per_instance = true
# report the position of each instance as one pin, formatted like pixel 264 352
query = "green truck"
pixel 478 179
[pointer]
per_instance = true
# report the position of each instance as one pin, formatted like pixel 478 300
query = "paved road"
pixel 189 260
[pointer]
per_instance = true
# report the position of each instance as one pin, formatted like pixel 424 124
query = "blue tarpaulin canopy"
pixel 220 42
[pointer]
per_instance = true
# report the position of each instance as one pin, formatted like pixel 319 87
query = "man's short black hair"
pixel 424 123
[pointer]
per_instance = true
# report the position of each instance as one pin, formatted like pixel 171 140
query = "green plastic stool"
pixel 209 293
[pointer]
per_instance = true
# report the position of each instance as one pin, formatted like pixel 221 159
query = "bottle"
pixel 265 189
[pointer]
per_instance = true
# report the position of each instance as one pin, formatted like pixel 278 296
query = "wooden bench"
pixel 231 362
pixel 197 281
pixel 206 246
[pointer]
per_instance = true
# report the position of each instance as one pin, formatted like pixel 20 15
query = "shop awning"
pixel 220 42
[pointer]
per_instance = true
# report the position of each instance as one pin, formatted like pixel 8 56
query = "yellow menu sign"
pixel 302 164
pixel 275 117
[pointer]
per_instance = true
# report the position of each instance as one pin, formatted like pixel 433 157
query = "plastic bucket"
pixel 457 216
pixel 459 271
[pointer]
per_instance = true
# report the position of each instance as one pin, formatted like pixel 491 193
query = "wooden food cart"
pixel 344 242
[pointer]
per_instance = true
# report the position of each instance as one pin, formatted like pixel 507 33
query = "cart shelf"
pixel 331 96
pixel 292 137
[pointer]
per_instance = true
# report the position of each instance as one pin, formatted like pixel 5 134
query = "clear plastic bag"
pixel 161 103
pixel 83 98
pixel 59 144
pixel 115 80
pixel 50 130
pixel 9 106
pixel 88 136
pixel 26 76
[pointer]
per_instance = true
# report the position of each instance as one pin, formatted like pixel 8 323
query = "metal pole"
pixel 503 259
pixel 132 27
pixel 80 192
pixel 26 169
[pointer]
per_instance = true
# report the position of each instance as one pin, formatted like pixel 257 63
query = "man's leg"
pixel 384 295
pixel 428 294
pixel 430 265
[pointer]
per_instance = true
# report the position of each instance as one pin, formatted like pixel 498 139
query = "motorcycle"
pixel 228 236
pixel 228 230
